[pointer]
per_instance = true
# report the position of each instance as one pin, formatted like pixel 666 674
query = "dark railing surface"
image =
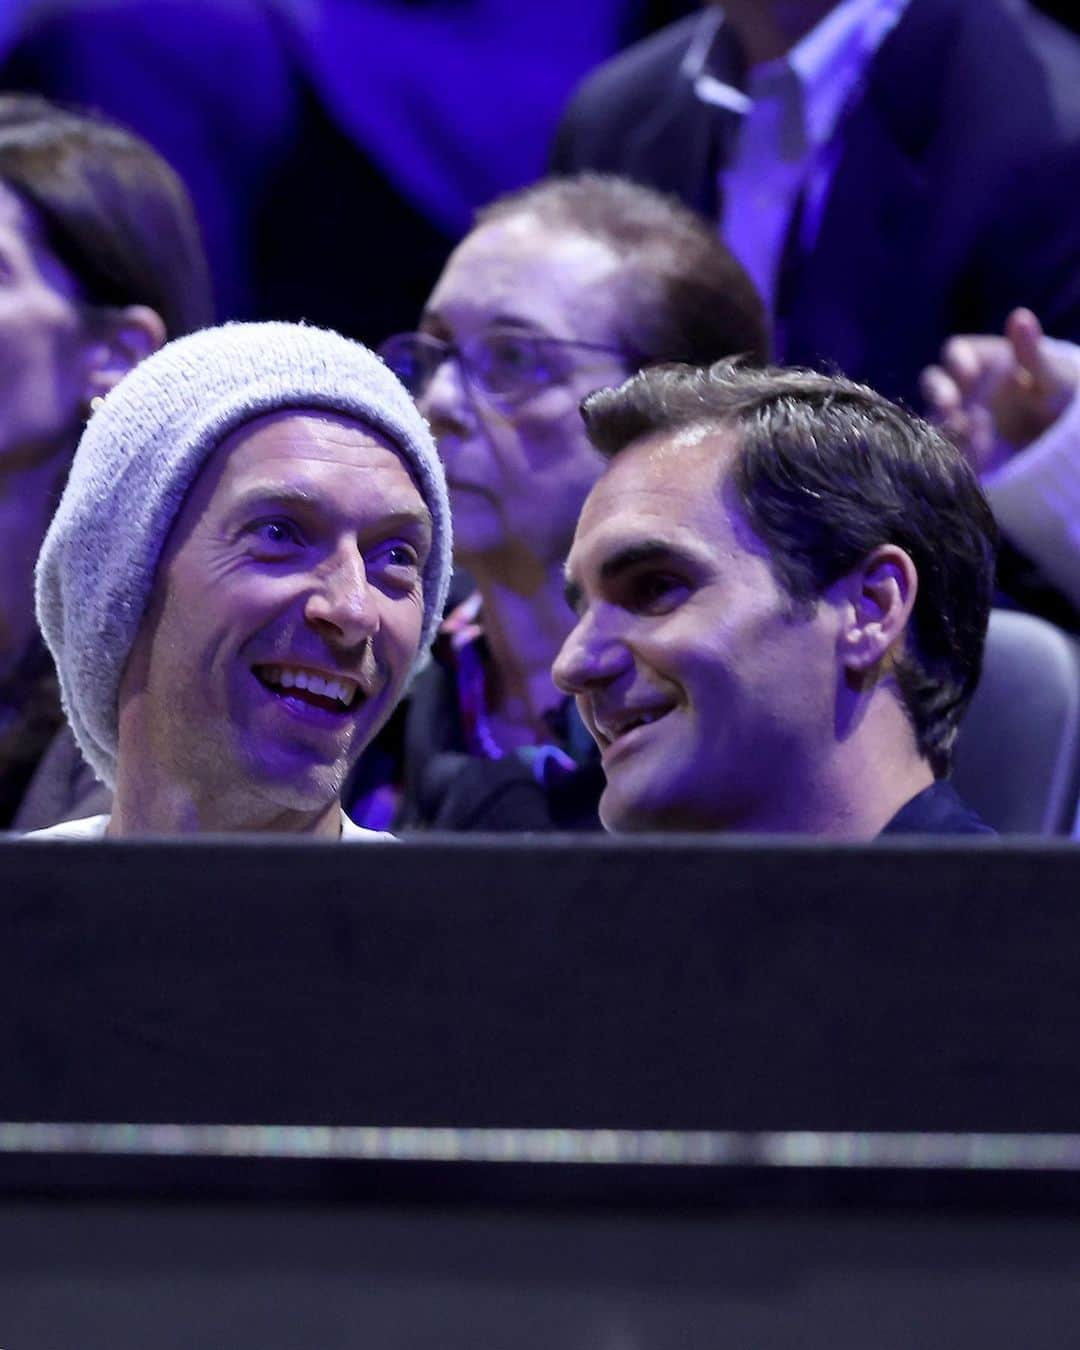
pixel 658 984
pixel 630 1095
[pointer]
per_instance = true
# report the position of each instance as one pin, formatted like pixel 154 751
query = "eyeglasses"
pixel 505 364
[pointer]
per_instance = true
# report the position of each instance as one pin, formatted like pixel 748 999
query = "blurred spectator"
pixel 207 82
pixel 890 171
pixel 1011 404
pixel 319 135
pixel 100 260
pixel 558 290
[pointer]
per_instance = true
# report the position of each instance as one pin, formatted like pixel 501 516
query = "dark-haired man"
pixel 782 583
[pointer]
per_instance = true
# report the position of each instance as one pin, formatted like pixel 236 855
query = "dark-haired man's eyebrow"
pixel 635 555
pixel 626 559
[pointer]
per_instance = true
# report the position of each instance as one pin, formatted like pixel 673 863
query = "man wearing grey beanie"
pixel 248 563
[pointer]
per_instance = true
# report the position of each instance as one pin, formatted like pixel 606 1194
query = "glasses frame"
pixel 457 351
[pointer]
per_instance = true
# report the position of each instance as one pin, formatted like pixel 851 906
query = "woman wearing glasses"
pixel 559 289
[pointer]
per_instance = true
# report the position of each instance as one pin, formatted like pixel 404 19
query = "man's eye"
pixel 509 351
pixel 399 558
pixel 276 534
pixel 512 359
pixel 656 592
pixel 402 555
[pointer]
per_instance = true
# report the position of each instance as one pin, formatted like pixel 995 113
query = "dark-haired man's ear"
pixel 122 338
pixel 881 596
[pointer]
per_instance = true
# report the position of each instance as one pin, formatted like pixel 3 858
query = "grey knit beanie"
pixel 137 458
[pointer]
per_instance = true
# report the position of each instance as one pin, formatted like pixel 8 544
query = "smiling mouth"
pixel 612 732
pixel 336 694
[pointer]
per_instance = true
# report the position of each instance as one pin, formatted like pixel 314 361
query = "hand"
pixel 992 396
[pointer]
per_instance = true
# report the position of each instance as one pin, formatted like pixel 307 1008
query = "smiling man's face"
pixel 711 697
pixel 285 619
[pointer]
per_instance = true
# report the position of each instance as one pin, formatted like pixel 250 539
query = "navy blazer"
pixel 954 198
pixel 938 809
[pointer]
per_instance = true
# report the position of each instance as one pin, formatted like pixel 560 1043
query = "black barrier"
pixel 629 1095
pixel 652 985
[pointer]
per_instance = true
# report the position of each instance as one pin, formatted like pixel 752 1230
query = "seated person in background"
pixel 250 558
pixel 100 262
pixel 1011 404
pixel 782 583
pixel 889 171
pixel 558 290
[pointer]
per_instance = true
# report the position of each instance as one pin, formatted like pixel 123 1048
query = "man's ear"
pixel 881 593
pixel 122 338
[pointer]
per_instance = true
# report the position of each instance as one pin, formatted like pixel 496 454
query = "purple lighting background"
pixel 335 151
pixel 335 148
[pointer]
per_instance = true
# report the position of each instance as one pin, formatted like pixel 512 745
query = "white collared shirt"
pixel 95 827
pixel 785 143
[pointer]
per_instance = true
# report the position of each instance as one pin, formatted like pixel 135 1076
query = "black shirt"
pixel 938 809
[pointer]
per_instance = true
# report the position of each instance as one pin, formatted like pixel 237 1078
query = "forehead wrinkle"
pixel 276 491
pixel 394 506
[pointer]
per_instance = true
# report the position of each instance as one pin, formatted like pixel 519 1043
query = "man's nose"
pixel 593 653
pixel 446 401
pixel 341 602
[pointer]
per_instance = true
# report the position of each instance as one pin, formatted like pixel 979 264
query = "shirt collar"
pixel 832 58
pixel 828 62
pixel 699 65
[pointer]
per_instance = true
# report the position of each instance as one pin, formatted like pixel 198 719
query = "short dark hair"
pixel 687 297
pixel 825 471
pixel 112 210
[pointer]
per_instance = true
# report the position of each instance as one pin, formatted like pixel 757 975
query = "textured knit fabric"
pixel 140 454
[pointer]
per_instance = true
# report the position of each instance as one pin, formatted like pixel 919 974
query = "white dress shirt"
pixel 95 827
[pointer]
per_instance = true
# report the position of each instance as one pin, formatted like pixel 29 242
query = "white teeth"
pixel 612 731
pixel 290 677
